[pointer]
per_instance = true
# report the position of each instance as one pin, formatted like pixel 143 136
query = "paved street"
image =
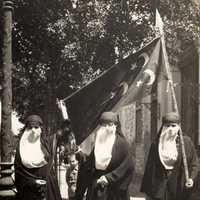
pixel 63 188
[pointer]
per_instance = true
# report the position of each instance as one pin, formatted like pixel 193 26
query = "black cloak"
pixel 161 184
pixel 25 178
pixel 118 173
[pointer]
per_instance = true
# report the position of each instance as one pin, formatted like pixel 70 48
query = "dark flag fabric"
pixel 142 84
pixel 123 83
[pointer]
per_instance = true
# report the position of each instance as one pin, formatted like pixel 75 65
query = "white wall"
pixel 16 124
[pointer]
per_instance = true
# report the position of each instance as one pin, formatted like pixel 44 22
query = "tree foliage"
pixel 182 25
pixel 61 45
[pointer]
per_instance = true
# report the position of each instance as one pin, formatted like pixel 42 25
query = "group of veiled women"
pixel 108 171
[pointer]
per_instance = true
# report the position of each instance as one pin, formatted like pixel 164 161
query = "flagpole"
pixel 175 105
pixel 176 109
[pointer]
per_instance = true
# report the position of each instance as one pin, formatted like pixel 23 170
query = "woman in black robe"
pixel 35 176
pixel 161 183
pixel 107 177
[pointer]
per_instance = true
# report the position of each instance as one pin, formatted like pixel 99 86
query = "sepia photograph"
pixel 99 99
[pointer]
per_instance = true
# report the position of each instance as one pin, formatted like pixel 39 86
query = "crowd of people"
pixel 106 173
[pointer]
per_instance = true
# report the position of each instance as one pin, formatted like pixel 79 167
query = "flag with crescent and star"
pixel 125 82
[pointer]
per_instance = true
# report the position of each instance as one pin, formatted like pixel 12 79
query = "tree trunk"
pixel 50 111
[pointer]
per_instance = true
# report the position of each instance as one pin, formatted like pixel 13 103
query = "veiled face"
pixel 167 143
pixel 34 133
pixel 171 129
pixel 104 142
pixel 107 127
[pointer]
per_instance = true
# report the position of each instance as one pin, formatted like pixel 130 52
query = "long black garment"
pixel 118 173
pixel 161 184
pixel 25 177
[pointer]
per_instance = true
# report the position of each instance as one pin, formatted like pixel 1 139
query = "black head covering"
pixel 171 117
pixel 34 120
pixel 108 117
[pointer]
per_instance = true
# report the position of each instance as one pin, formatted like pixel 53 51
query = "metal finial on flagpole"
pixel 63 108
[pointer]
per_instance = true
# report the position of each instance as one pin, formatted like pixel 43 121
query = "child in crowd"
pixel 71 175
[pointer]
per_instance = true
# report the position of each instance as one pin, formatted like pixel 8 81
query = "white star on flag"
pixel 139 83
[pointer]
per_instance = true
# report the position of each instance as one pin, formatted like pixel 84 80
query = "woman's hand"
pixel 102 181
pixel 189 183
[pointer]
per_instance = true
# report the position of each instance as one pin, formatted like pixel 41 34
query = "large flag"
pixel 123 83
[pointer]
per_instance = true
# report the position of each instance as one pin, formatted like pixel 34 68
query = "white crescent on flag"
pixel 145 56
pixel 151 75
pixel 151 80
